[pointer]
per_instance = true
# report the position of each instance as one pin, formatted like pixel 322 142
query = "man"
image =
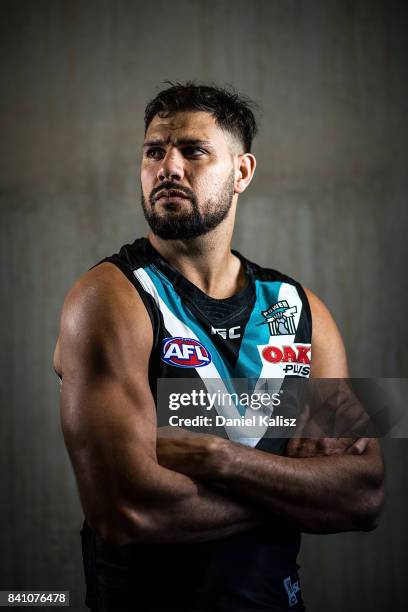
pixel 190 521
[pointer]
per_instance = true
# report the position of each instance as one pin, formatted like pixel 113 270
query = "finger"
pixel 359 446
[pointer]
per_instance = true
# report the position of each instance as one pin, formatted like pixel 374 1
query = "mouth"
pixel 170 195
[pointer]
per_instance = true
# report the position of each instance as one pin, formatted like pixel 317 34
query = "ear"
pixel 246 164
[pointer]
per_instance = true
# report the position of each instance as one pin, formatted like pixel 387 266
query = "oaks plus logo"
pixel 281 318
pixel 295 357
pixel 185 353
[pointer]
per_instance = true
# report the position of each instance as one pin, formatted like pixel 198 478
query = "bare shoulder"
pixel 102 310
pixel 329 358
pixel 102 287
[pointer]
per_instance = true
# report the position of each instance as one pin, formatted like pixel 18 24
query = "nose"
pixel 171 166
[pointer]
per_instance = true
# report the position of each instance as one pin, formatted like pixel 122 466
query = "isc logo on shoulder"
pixel 185 353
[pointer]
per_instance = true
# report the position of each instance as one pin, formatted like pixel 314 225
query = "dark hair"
pixel 231 110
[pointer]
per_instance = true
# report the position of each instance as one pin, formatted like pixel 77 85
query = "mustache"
pixel 167 186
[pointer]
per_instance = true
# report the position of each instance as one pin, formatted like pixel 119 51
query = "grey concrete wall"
pixel 328 206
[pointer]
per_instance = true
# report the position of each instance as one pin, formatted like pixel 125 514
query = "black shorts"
pixel 149 578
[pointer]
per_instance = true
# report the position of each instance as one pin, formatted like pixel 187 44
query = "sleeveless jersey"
pixel 261 333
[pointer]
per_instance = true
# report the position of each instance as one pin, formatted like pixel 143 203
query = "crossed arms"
pixel 137 485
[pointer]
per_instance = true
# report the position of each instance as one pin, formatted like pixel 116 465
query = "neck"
pixel 206 261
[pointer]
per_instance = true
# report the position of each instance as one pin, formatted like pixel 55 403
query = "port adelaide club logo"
pixel 280 318
pixel 185 353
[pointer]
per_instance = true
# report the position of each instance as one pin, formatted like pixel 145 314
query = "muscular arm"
pixel 320 494
pixel 316 494
pixel 109 424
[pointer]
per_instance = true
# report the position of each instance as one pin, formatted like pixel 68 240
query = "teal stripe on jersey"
pixel 249 363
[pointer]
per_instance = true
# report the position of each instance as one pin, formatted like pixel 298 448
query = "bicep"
pixel 329 358
pixel 110 435
pixel 329 361
pixel 107 409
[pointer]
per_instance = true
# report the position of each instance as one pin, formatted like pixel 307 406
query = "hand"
pixel 197 455
pixel 314 447
pixel 316 444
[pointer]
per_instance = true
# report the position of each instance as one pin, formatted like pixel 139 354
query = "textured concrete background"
pixel 328 206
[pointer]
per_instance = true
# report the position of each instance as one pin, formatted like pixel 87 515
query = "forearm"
pixel 316 494
pixel 197 515
pixel 168 507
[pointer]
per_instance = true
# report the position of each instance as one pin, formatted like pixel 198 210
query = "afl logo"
pixel 185 353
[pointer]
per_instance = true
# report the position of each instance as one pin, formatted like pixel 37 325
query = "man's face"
pixel 187 175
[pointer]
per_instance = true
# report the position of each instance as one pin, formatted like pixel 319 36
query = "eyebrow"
pixel 178 142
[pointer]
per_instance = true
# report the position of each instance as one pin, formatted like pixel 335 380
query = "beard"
pixel 193 222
